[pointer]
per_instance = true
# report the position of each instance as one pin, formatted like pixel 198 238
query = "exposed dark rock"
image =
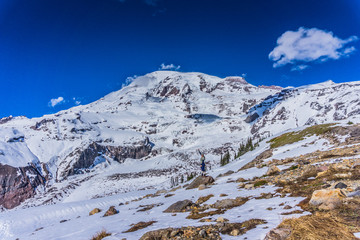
pixel 147 173
pixel 259 159
pixel 311 121
pixel 338 116
pixel 280 115
pixel 341 185
pixel 316 106
pixel 204 118
pixel 18 184
pixel 111 211
pixel 226 174
pixel 179 206
pixel 42 124
pixel 87 156
pixel 229 203
pixel 206 180
pixel 5 119
pixel 16 139
pixel 251 117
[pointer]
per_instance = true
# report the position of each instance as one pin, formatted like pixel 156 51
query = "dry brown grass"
pixel 349 212
pixel 318 226
pixel 292 212
pixel 300 188
pixel 203 199
pixel 100 235
pixel 198 215
pixel 139 225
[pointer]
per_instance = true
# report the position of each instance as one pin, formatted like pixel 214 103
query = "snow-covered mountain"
pixel 139 137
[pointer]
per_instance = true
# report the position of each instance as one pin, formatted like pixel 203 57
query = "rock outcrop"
pixel 111 211
pixel 180 206
pixel 206 180
pixel 85 159
pixel 327 199
pixel 18 184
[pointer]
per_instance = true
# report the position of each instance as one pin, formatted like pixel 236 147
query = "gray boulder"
pixel 180 206
pixel 206 180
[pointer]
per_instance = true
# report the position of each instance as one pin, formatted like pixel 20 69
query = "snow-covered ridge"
pixel 157 122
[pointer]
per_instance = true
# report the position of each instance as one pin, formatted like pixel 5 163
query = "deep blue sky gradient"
pixel 85 49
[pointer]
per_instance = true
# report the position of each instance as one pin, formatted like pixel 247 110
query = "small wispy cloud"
pixel 169 67
pixel 128 80
pixel 299 67
pixel 308 45
pixel 55 101
pixel 76 101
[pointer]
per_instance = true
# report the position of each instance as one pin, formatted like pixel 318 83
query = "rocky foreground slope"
pixel 300 184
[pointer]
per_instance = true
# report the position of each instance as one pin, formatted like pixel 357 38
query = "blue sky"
pixel 76 51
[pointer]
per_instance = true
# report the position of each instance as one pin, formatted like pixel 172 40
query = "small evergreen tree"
pixel 225 159
pixel 191 176
pixel 182 178
pixel 244 148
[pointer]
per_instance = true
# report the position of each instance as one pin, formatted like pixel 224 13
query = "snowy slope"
pixel 152 128
pixel 47 222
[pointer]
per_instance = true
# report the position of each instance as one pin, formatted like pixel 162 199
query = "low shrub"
pixel 100 235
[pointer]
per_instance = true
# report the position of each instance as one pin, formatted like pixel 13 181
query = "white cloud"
pixel 128 81
pixel 76 101
pixel 169 67
pixel 55 101
pixel 307 45
pixel 299 67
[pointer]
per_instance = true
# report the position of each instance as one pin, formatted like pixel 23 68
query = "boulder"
pixel 249 186
pixel 321 174
pixel 180 206
pixel 235 232
pixel 95 210
pixel 111 211
pixel 273 170
pixel 341 185
pixel 354 194
pixel 278 234
pixel 264 155
pixel 202 233
pixel 252 117
pixel 240 180
pixel 221 220
pixel 229 203
pixel 206 180
pixel 327 199
pixel 343 175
